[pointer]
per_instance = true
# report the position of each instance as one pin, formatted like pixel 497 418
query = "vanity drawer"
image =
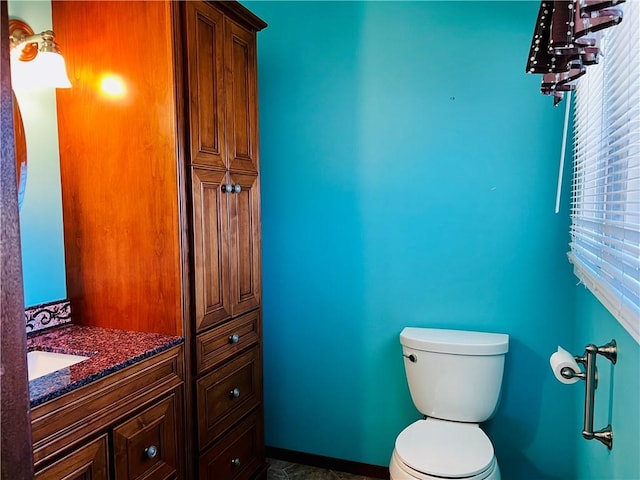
pixel 146 446
pixel 227 394
pixel 89 462
pixel 238 454
pixel 220 343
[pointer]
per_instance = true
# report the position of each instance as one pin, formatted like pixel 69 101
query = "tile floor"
pixel 280 470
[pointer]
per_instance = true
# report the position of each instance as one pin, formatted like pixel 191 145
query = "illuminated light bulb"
pixel 113 86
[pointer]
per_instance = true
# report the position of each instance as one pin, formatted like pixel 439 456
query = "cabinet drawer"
pixel 227 394
pixel 146 446
pixel 237 455
pixel 86 463
pixel 218 344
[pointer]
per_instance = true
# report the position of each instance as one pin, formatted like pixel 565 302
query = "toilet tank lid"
pixel 460 342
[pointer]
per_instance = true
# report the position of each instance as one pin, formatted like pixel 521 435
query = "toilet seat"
pixel 434 448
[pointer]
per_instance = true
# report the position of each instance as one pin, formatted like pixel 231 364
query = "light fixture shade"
pixel 21 75
pixel 53 70
pixel 46 70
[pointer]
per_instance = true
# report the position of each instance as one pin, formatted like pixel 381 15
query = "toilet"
pixel 455 379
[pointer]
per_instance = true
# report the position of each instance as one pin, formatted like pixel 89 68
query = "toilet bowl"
pixel 455 379
pixel 434 449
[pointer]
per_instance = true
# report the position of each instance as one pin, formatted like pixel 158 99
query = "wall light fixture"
pixel 36 61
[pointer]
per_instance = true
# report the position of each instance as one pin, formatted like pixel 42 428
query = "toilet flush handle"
pixel 412 358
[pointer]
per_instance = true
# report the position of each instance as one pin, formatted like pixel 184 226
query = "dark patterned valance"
pixel 563 43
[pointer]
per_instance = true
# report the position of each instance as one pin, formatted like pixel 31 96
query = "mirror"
pixel 21 150
pixel 41 223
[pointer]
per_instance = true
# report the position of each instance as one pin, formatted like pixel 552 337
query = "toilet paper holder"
pixel 610 352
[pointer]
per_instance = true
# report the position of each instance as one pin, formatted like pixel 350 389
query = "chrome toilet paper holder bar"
pixel 590 376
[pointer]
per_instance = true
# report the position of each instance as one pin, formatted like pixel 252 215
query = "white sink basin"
pixel 42 363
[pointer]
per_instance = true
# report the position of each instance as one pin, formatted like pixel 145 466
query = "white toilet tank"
pixel 454 374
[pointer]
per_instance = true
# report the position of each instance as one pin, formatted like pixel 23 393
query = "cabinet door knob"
pixel 151 451
pixel 235 338
pixel 235 393
pixel 235 462
pixel 227 188
pixel 237 188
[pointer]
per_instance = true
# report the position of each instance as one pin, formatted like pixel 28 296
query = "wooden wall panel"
pixel 118 165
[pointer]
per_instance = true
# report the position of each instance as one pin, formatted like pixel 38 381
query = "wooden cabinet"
pixel 221 59
pixel 225 191
pixel 161 193
pixel 221 66
pixel 226 245
pixel 137 410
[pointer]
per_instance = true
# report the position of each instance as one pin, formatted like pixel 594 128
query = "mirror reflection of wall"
pixel 41 227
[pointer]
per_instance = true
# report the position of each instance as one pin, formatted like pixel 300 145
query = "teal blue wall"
pixel 408 176
pixel 41 211
pixel 617 396
pixel 405 182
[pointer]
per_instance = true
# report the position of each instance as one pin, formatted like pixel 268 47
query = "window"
pixel 605 205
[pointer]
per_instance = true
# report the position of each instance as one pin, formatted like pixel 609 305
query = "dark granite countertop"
pixel 109 351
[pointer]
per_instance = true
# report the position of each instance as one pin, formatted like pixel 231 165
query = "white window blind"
pixel 605 205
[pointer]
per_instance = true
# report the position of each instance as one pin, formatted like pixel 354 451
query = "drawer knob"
pixel 151 451
pixel 235 462
pixel 235 338
pixel 237 188
pixel 227 188
pixel 235 393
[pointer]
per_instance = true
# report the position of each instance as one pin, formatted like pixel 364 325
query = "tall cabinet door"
pixel 205 40
pixel 244 210
pixel 242 102
pixel 210 248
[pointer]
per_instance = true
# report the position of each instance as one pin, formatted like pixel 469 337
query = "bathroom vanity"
pixel 118 414
pixel 161 206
